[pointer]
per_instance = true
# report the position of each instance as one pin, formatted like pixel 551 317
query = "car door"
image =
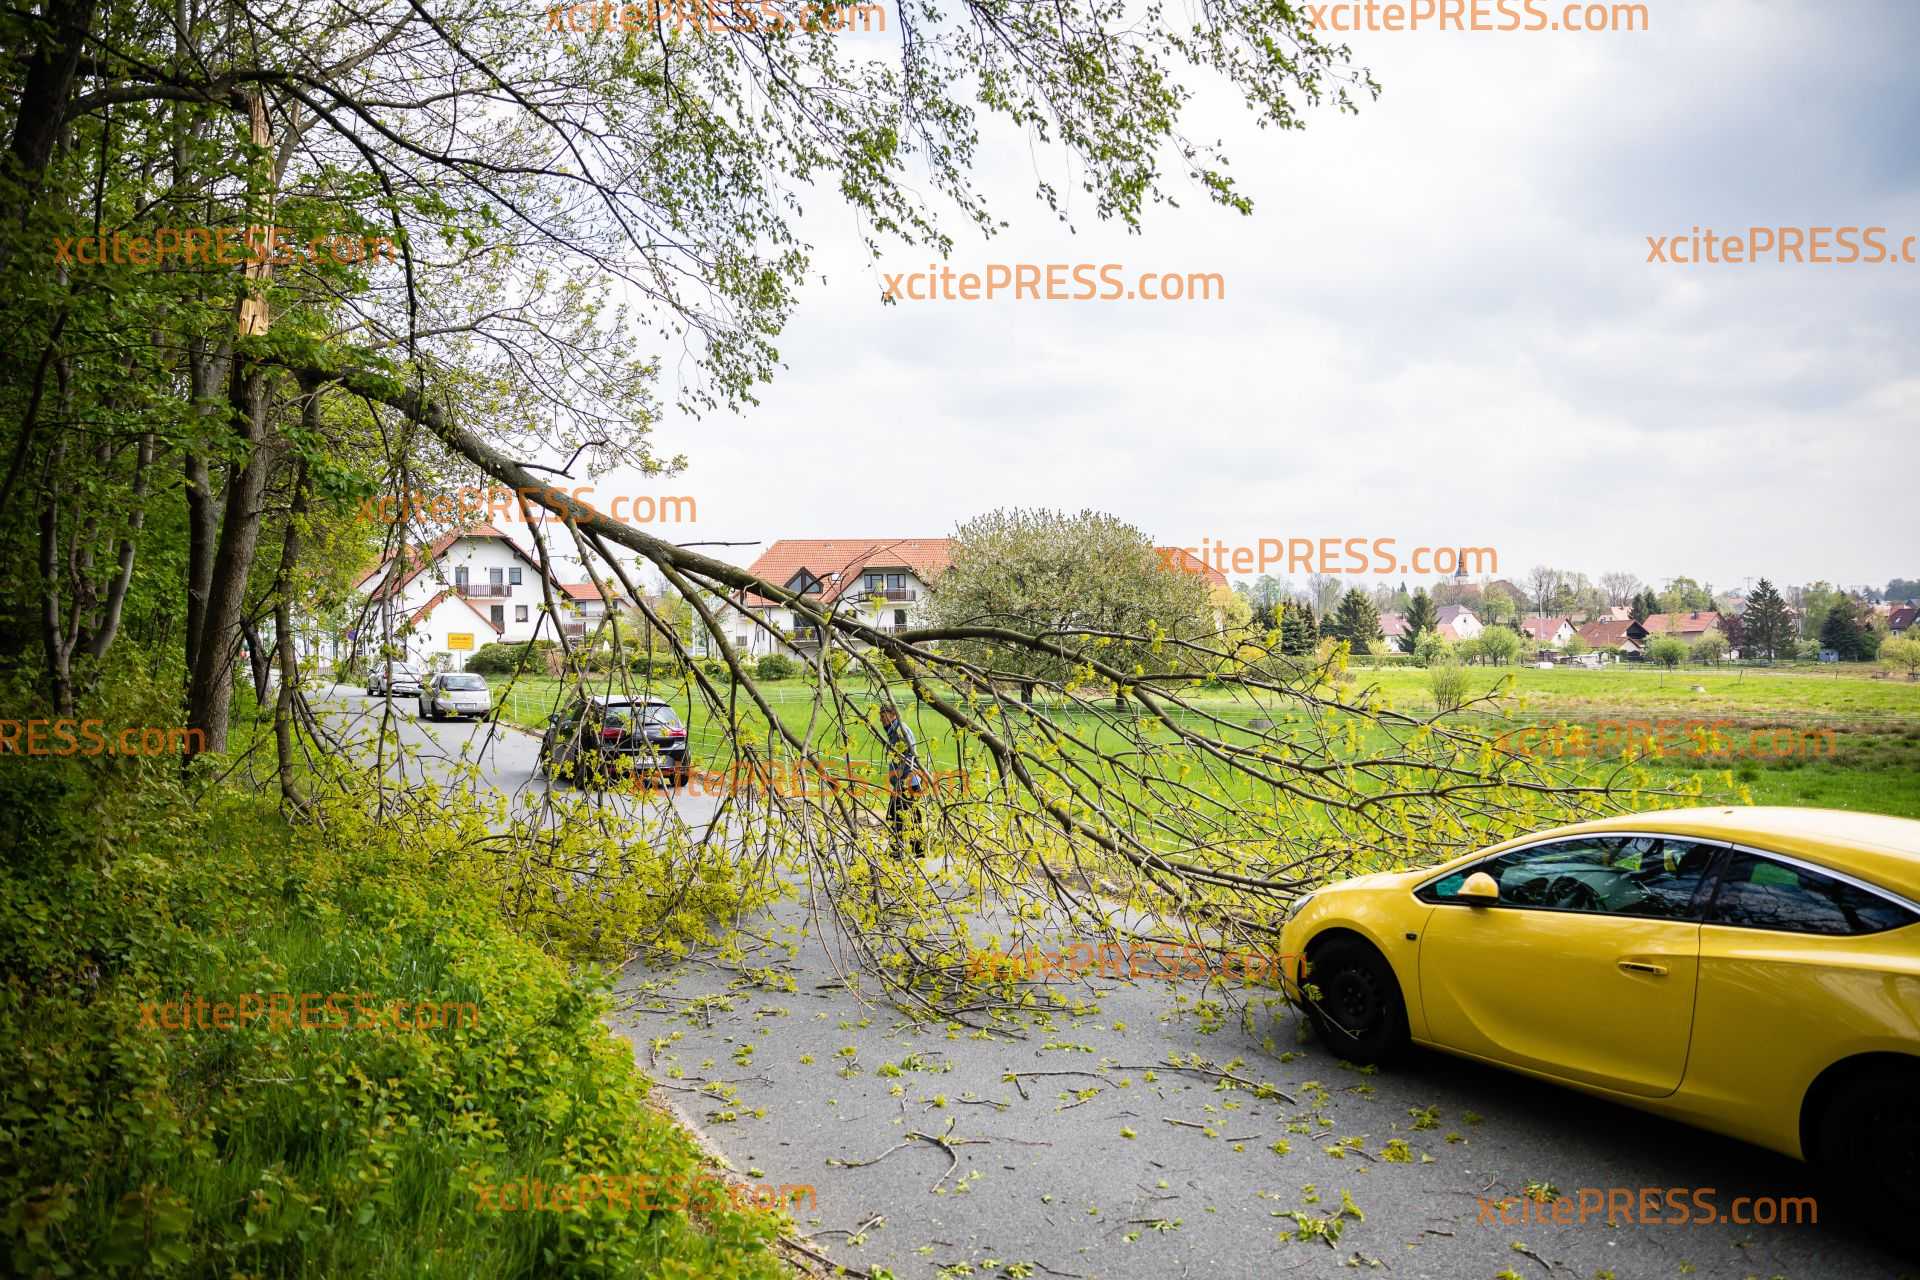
pixel 1798 969
pixel 1584 969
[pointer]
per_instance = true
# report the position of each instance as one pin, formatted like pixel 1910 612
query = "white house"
pixel 1457 622
pixel 469 588
pixel 880 581
pixel 1548 633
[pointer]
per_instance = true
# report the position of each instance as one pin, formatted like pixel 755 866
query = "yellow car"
pixel 1752 971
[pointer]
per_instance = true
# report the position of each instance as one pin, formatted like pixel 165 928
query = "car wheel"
pixel 1867 1144
pixel 1359 1013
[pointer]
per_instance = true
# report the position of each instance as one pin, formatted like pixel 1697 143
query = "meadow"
pixel 1835 736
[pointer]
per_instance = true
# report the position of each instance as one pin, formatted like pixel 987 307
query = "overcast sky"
pixel 1440 325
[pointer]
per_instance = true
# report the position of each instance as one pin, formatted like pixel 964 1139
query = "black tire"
pixel 1359 1013
pixel 1866 1145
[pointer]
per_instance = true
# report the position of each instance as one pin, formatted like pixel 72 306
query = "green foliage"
pixel 1448 680
pixel 775 666
pixel 1496 646
pixel 1356 621
pixel 1767 624
pixel 1710 647
pixel 1034 571
pixel 1430 647
pixel 1902 653
pixel 1422 619
pixel 297 1150
pixel 1667 651
pixel 499 658
pixel 1845 631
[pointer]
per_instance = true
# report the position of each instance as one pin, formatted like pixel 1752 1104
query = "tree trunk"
pixel 43 103
pixel 210 690
pixel 290 793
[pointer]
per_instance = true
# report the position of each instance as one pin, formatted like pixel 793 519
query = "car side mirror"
pixel 1479 889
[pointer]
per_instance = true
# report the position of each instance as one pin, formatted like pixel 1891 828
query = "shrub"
pixel 503 659
pixel 1430 647
pixel 774 666
pixel 1667 651
pixel 1448 680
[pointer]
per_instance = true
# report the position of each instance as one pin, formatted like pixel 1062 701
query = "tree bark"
pixel 290 794
pixel 210 690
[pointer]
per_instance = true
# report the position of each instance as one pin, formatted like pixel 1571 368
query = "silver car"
pixel 407 678
pixel 455 693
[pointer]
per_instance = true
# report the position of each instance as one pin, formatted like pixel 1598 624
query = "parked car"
pixel 407 678
pixel 1753 971
pixel 456 694
pixel 602 736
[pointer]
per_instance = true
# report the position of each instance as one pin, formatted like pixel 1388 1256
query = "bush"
pixel 1448 680
pixel 1431 647
pixel 775 666
pixel 502 659
pixel 1667 651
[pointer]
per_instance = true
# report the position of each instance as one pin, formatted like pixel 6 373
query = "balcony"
pixel 893 595
pixel 483 590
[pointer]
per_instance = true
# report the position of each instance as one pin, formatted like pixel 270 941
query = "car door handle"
pixel 1642 966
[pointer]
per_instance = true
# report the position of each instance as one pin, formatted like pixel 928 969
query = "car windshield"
pixel 649 712
pixel 463 682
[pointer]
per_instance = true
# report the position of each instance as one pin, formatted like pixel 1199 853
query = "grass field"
pixel 1848 738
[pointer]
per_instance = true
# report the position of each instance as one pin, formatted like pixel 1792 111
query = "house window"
pixel 519 610
pixel 513 579
pixel 499 612
pixel 460 578
pixel 899 617
pixel 496 578
pixel 897 582
pixel 874 581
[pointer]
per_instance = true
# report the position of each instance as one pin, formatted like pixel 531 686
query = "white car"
pixel 407 678
pixel 455 693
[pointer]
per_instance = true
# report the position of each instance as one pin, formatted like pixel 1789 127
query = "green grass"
pixel 1875 765
pixel 289 1150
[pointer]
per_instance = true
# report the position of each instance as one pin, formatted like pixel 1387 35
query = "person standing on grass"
pixel 906 780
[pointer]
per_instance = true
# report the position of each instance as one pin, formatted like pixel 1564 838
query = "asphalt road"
pixel 925 1157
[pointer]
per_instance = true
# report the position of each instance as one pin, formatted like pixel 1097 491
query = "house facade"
pixel 1549 633
pixel 882 582
pixel 469 588
pixel 1457 622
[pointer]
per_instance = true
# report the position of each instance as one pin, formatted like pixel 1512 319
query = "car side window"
pixel 1650 876
pixel 1760 893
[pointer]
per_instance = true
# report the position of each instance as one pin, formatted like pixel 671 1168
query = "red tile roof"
pixel 1393 625
pixel 420 560
pixel 1696 623
pixel 927 558
pixel 1902 617
pixel 581 590
pixel 1606 633
pixel 1542 629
